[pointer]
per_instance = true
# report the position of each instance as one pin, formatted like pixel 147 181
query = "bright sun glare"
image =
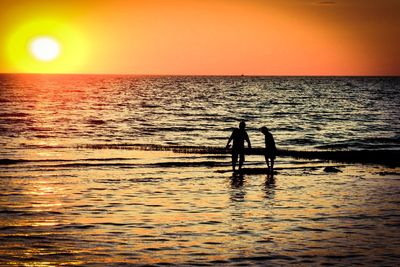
pixel 45 48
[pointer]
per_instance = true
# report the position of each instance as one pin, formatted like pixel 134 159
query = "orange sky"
pixel 219 37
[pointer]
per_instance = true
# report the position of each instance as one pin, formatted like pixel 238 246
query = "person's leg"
pixel 234 160
pixel 266 160
pixel 241 160
pixel 272 164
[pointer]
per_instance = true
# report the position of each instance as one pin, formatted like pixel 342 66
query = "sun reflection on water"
pixel 148 210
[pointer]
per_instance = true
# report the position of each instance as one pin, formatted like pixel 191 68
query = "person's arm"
pixel 273 142
pixel 248 141
pixel 229 140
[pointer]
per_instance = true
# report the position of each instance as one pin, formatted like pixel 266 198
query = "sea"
pixel 130 170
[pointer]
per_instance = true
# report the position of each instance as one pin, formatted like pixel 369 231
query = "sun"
pixel 44 48
pixel 46 45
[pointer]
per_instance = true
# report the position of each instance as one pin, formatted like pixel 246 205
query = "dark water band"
pixel 387 157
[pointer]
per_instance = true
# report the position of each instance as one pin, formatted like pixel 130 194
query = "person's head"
pixel 264 130
pixel 242 125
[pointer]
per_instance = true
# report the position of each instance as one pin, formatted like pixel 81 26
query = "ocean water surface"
pixel 302 112
pixel 75 191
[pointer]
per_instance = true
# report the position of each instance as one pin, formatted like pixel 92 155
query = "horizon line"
pixel 203 75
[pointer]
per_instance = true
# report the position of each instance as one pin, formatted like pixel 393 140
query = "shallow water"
pixel 118 207
pixel 63 202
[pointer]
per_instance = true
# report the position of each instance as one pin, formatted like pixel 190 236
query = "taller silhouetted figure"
pixel 270 149
pixel 238 136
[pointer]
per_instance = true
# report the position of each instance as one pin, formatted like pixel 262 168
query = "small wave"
pixel 189 164
pixel 395 139
pixel 262 258
pixel 387 157
pixel 366 143
pixel 334 146
pixel 338 257
pixel 12 161
pixel 302 141
pixel 18 161
pixel 76 226
pixel 144 180
pixel 115 224
pixel 154 147
pixel 305 229
pixel 30 213
pixel 37 146
pixel 96 122
pixel 40 129
pixel 82 165
pixel 384 173
pixel 15 120
pixel 43 136
pixel 13 114
pixel 148 105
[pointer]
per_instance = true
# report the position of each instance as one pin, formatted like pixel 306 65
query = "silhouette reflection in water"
pixel 238 136
pixel 269 186
pixel 237 193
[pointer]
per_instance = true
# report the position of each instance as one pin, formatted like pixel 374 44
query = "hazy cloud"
pixel 326 2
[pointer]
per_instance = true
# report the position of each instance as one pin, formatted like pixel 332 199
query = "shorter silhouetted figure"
pixel 238 136
pixel 270 149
